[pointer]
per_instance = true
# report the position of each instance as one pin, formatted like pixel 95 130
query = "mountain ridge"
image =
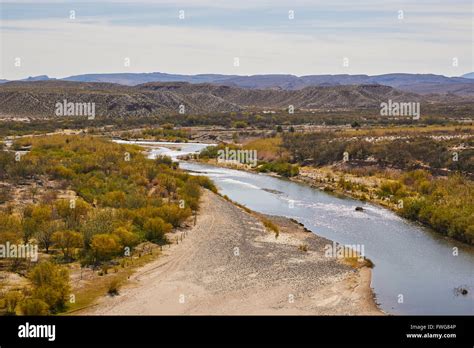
pixel 38 98
pixel 416 83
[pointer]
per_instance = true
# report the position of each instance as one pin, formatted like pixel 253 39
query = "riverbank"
pixel 382 189
pixel 324 179
pixel 329 180
pixel 405 255
pixel 230 264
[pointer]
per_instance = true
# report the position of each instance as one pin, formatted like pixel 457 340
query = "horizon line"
pixel 209 73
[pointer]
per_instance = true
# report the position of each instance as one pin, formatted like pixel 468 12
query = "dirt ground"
pixel 228 264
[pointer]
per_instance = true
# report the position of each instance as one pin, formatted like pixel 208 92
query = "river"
pixel 416 270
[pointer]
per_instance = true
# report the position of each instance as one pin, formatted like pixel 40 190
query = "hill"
pixel 38 98
pixel 415 83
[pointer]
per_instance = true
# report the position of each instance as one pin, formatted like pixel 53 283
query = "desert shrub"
pixel 164 160
pixel 411 208
pixel 72 212
pixel 113 287
pixel 50 284
pixel 135 200
pixel 303 247
pixel 270 225
pixel 239 124
pixel 34 306
pixel 282 168
pixel 155 229
pixel 114 199
pixel 210 152
pixel 10 302
pixel 68 242
pixel 105 246
pixel 205 182
pixel 98 222
pixel 45 233
pixel 174 214
pixel 61 172
pixel 6 160
pixel 126 237
pixel 446 206
pixel 10 228
pixel 345 184
pixel 191 189
pixel 392 188
pixel 116 194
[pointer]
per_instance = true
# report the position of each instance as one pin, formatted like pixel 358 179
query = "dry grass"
pixel 436 129
pixel 270 225
pixel 303 247
pixel 356 261
pixel 114 287
pixel 99 286
pixel 268 149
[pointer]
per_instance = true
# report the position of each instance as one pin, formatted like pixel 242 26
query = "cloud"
pixel 371 36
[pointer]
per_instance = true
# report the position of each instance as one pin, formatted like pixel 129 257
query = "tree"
pixel 99 221
pixel 11 301
pixel 72 212
pixel 156 228
pixel 34 220
pixel 279 129
pixel 10 228
pixel 127 238
pixel 67 241
pixel 34 306
pixel 50 284
pixel 45 233
pixel 41 213
pixel 174 214
pixel 104 246
pixel 190 194
pixel 28 229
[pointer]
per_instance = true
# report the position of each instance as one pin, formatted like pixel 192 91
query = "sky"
pixel 60 38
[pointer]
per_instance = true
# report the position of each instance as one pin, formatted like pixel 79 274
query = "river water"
pixel 416 271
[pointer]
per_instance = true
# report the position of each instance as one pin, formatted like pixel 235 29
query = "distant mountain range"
pixel 415 83
pixel 38 98
pixel 468 76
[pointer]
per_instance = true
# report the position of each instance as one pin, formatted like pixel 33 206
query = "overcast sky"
pixel 104 35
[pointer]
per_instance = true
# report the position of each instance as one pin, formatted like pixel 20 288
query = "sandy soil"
pixel 229 264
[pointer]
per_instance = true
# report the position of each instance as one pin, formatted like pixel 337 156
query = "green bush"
pixel 50 284
pixel 113 288
pixel 68 242
pixel 282 168
pixel 11 300
pixel 411 208
pixel 34 306
pixel 105 246
pixel 174 214
pixel 155 229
